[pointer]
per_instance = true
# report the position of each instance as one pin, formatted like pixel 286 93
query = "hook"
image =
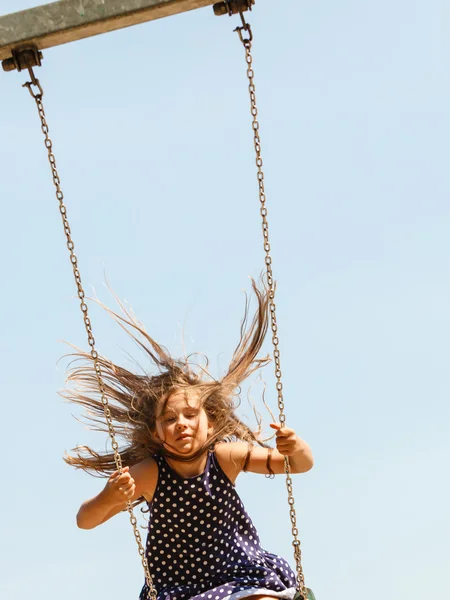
pixel 34 81
pixel 245 27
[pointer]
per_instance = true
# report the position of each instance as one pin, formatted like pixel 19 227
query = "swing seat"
pixel 310 596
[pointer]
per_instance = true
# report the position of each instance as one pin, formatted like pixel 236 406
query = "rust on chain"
pixel 232 7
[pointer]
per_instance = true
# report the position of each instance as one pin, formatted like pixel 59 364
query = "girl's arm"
pixel 135 482
pixel 235 457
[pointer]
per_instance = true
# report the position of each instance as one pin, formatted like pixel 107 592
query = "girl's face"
pixel 183 425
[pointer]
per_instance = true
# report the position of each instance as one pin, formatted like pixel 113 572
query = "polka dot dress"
pixel 202 545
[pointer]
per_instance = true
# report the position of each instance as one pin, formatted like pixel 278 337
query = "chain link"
pixel 151 595
pixel 247 42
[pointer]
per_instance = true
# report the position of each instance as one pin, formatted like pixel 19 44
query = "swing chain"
pixel 247 43
pixel 86 319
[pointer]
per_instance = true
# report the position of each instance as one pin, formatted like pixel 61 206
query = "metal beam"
pixel 70 20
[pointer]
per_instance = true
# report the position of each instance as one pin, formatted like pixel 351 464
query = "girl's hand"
pixel 288 442
pixel 120 487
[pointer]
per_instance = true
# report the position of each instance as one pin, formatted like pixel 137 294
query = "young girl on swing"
pixel 185 449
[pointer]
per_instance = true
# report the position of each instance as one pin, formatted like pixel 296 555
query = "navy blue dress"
pixel 202 545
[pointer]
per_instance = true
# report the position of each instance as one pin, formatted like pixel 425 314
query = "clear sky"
pixel 152 136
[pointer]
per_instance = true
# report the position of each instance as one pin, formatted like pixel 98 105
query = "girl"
pixel 185 448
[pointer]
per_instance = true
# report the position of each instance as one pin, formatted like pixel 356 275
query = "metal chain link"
pixel 247 42
pixel 151 595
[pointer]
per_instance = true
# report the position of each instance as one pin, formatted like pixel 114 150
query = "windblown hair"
pixel 136 400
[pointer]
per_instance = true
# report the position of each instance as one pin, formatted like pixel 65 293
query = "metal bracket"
pixel 232 7
pixel 23 58
pixel 26 58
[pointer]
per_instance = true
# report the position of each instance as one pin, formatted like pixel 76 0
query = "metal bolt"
pixel 235 6
pixel 22 59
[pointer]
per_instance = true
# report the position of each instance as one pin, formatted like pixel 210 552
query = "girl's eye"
pixel 169 420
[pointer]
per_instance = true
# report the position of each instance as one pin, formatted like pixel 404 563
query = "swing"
pixel 22 51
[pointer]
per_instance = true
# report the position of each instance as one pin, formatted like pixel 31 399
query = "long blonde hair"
pixel 136 400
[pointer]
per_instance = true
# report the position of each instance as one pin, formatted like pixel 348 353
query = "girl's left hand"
pixel 288 442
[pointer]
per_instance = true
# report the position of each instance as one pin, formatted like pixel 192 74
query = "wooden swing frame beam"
pixel 71 20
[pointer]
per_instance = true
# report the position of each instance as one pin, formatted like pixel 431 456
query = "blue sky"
pixel 152 136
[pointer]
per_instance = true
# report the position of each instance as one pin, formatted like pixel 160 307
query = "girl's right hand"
pixel 120 487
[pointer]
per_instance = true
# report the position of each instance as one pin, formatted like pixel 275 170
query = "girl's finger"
pixel 283 443
pixel 116 476
pixel 282 431
pixel 285 432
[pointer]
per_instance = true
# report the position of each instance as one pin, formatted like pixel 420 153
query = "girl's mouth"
pixel 183 436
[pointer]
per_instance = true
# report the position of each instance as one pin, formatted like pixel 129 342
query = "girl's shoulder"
pixel 145 475
pixel 231 457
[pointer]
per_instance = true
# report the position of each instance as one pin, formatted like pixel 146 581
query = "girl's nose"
pixel 181 422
